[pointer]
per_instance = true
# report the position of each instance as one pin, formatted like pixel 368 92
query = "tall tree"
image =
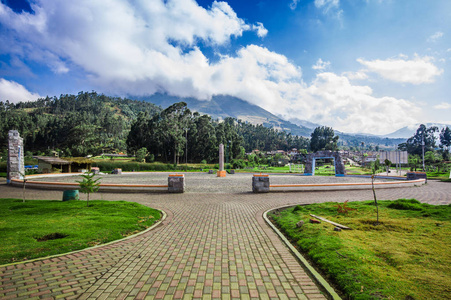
pixel 414 143
pixel 323 138
pixel 445 138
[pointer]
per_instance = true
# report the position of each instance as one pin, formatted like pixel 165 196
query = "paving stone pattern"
pixel 211 246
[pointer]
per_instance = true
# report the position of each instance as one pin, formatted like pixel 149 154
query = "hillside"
pixel 75 125
pixel 221 107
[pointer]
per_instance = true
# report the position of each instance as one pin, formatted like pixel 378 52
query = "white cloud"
pixel 353 108
pixel 146 46
pixel 294 4
pixel 436 36
pixel 443 105
pixel 15 92
pixel 327 5
pixel 321 65
pixel 416 71
pixel 260 29
pixel 330 8
pixel 359 75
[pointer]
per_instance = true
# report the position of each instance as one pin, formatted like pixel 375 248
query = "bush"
pixel 106 166
pixel 3 167
pixel 238 164
pixel 406 204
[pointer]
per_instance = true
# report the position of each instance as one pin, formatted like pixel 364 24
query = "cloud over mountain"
pixel 147 46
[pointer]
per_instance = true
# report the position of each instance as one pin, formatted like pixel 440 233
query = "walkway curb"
pixel 160 222
pixel 316 276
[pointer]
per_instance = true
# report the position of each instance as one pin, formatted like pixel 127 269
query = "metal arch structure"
pixel 311 159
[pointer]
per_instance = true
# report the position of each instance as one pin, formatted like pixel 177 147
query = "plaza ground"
pixel 212 245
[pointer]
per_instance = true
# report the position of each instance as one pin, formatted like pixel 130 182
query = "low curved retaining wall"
pixel 346 186
pixel 114 188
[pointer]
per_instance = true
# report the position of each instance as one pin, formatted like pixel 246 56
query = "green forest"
pixel 91 124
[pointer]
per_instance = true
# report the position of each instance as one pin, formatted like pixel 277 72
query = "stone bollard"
pixel 117 171
pixel 416 175
pixel 260 184
pixel 176 183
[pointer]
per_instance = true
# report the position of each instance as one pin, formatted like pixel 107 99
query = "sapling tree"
pixel 89 185
pixel 375 166
pixel 387 165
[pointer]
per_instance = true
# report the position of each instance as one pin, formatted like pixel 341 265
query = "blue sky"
pixel 369 66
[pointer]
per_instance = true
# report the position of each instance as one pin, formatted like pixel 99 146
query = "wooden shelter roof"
pixel 53 160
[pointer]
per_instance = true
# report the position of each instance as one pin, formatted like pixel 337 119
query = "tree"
pixel 375 166
pixel 89 184
pixel 323 138
pixel 387 164
pixel 414 143
pixel 445 138
pixel 414 162
pixel 141 154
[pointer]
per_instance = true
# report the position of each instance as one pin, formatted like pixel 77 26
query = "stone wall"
pixel 16 163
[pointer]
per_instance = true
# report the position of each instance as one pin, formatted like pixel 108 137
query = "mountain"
pixel 304 123
pixel 409 131
pixel 222 106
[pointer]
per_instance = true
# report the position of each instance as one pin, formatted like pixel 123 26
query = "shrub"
pixel 238 164
pixel 406 204
pixel 136 166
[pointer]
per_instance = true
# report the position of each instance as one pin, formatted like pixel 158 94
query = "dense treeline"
pixel 176 134
pixel 91 123
pixel 76 125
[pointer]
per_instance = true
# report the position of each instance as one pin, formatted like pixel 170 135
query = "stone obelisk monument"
pixel 221 172
pixel 15 167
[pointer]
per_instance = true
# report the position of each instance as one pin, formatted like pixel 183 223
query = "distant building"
pixel 48 164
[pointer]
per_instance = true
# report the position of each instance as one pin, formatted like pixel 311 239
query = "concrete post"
pixel 221 172
pixel 176 183
pixel 16 164
pixel 260 184
pixel 221 157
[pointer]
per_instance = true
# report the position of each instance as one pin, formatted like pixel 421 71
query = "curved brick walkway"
pixel 211 246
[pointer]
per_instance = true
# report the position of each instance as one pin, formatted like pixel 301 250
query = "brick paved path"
pixel 211 246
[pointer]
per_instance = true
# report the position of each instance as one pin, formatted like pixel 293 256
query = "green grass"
pixel 437 175
pixel 407 256
pixel 22 225
pixel 357 170
pixel 265 169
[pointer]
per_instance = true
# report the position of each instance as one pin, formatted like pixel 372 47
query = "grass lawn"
pixel 437 175
pixel 407 256
pixel 266 169
pixel 354 170
pixel 40 228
